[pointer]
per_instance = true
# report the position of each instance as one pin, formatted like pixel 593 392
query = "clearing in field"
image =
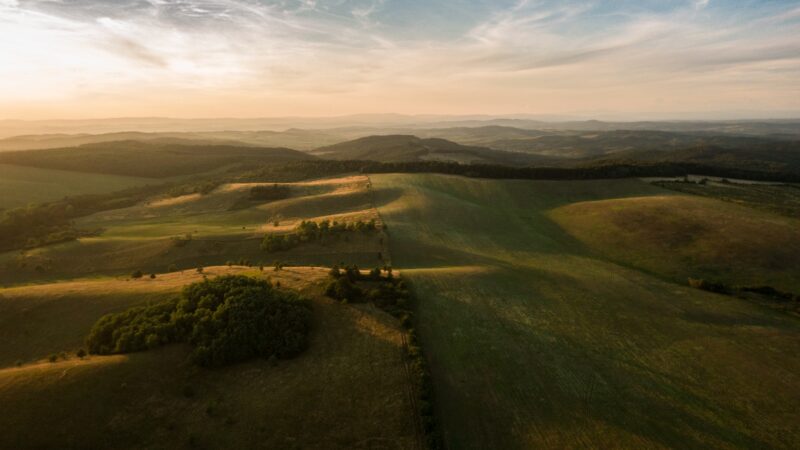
pixel 538 340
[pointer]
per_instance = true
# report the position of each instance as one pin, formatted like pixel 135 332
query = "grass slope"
pixel 150 159
pixel 21 186
pixel 685 236
pixel 536 342
pixel 397 148
pixel 348 390
pixel 225 226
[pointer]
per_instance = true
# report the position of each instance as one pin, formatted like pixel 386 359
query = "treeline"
pixel 301 170
pixel 600 171
pixel 776 297
pixel 227 320
pixel 381 288
pixel 310 231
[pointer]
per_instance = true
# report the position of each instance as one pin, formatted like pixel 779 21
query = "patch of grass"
pixel 346 389
pixel 152 236
pixel 686 236
pixel 780 199
pixel 21 186
pixel 534 341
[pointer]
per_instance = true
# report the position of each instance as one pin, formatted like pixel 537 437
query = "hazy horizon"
pixel 690 59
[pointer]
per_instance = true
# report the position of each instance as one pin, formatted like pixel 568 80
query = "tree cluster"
pixel 227 320
pixel 379 286
pixel 310 231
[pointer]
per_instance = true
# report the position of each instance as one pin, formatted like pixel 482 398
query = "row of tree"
pixel 311 231
pixel 380 287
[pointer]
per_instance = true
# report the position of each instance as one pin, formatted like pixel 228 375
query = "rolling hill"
pixel 538 339
pixel 762 156
pixel 149 159
pixel 348 390
pixel 21 186
pixel 291 138
pixel 401 148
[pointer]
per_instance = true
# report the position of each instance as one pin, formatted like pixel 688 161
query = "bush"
pixel 80 353
pixel 710 286
pixel 226 320
pixel 137 274
pixel 342 288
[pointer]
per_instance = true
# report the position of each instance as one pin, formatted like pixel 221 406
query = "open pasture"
pixel 202 230
pixel 21 186
pixel 348 390
pixel 537 341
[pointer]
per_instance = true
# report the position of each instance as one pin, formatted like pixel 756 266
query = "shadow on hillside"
pixel 503 382
pixel 346 391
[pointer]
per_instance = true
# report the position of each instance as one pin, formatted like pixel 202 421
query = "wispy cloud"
pixel 417 56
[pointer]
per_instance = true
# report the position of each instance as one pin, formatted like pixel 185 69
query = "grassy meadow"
pixel 348 390
pixel 225 226
pixel 554 314
pixel 537 339
pixel 21 186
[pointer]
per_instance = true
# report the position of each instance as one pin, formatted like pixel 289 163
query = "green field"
pixel 554 314
pixel 538 340
pixel 21 186
pixel 224 227
pixel 349 390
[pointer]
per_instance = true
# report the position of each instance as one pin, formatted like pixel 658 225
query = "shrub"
pixel 80 353
pixel 342 288
pixel 137 274
pixel 152 276
pixel 226 320
pixel 52 358
pixel 710 286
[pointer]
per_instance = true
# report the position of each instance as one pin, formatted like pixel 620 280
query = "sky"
pixel 265 58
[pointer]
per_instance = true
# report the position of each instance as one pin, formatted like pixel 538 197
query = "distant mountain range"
pixel 767 145
pixel 387 124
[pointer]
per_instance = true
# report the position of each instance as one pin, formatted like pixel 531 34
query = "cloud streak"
pixel 308 57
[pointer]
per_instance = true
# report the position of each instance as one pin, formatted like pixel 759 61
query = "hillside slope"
pixel 536 341
pixel 348 390
pixel 149 159
pixel 21 186
pixel 397 148
pixel 291 138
